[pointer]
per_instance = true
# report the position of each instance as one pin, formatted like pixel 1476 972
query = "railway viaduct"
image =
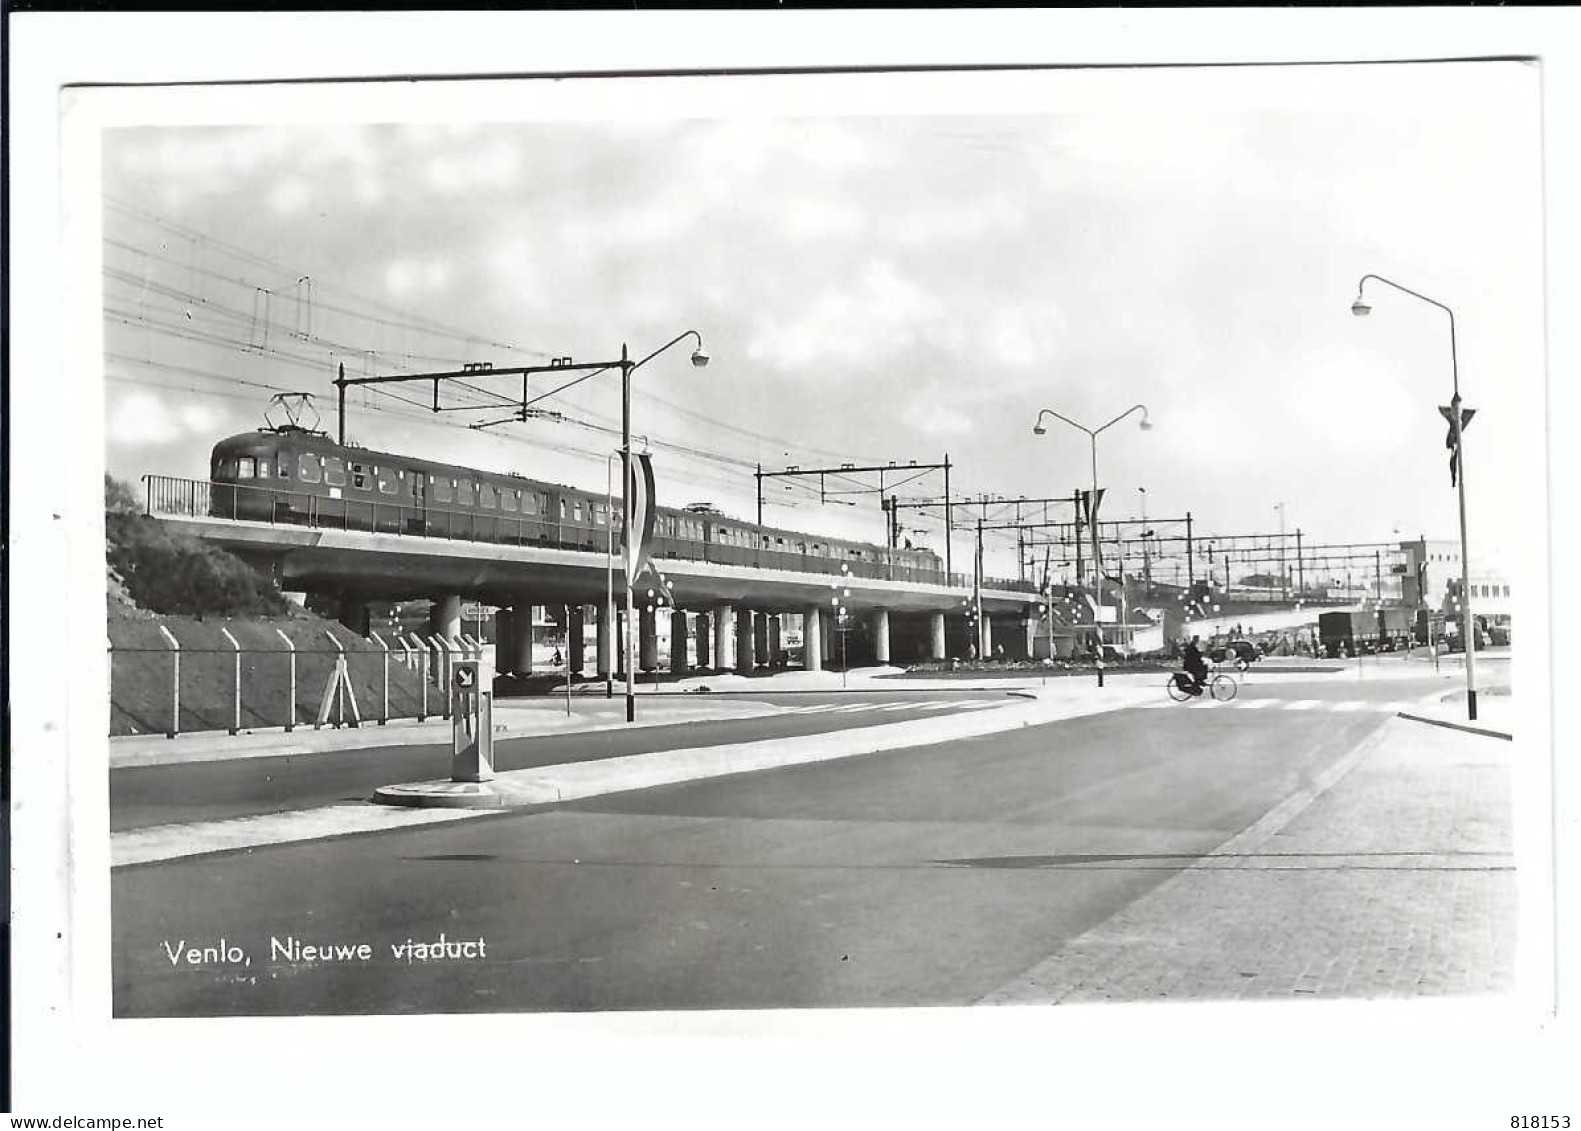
pixel 732 622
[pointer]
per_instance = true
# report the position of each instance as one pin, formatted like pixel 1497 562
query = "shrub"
pixel 171 573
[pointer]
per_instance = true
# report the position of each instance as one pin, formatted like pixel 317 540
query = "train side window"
pixel 417 485
pixel 510 499
pixel 334 472
pixel 307 469
pixel 385 478
pixel 599 517
pixel 464 494
pixel 359 476
pixel 562 510
pixel 283 467
pixel 486 495
pixel 576 511
pixel 530 503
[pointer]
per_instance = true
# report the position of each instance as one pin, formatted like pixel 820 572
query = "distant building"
pixel 1439 563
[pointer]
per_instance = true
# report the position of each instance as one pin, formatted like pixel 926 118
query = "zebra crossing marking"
pixel 1338 705
pixel 908 705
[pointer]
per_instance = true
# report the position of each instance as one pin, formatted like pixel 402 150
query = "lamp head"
pixel 1360 308
pixel 1039 430
pixel 699 358
pixel 1146 425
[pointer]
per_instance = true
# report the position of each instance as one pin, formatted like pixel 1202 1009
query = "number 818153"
pixel 1540 1122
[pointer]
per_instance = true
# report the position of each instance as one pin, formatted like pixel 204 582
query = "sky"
pixel 877 279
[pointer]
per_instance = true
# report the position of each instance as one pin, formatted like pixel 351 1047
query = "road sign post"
pixel 471 714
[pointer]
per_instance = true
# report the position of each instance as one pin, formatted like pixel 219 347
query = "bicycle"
pixel 1219 685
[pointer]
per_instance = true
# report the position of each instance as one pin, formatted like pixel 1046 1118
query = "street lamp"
pixel 1092 508
pixel 1284 576
pixel 627 368
pixel 1456 424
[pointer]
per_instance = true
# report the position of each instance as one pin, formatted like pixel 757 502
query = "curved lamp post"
pixel 1092 435
pixel 1361 309
pixel 627 368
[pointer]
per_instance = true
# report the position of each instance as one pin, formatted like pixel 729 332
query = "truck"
pixel 1394 627
pixel 1348 633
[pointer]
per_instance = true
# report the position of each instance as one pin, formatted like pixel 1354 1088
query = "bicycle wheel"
pixel 1176 692
pixel 1223 688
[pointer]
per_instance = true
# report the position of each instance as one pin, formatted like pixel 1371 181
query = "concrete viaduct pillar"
pixel 521 638
pixel 1029 625
pixel 703 623
pixel 812 639
pixel 761 656
pixel 575 641
pixel 605 625
pixel 445 617
pixel 722 650
pixel 647 639
pixel 774 640
pixel 743 641
pixel 936 646
pixel 678 642
pixel 881 636
pixel 985 643
pixel 354 614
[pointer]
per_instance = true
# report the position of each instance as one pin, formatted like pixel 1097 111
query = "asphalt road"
pixel 926 876
pixel 145 796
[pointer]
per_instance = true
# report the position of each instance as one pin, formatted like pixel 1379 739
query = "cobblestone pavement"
pixel 1392 876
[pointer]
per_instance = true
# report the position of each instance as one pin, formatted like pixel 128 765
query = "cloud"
pixel 937 420
pixel 290 195
pixel 144 418
pixel 881 312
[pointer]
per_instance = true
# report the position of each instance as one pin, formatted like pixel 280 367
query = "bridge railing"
pixel 169 496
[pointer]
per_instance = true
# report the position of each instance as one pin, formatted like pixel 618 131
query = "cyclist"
pixel 1196 667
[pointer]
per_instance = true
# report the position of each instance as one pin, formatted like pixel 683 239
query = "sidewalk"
pixel 1391 876
pixel 664 705
pixel 1496 713
pixel 512 719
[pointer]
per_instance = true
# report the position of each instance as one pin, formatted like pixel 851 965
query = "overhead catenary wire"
pixel 287 276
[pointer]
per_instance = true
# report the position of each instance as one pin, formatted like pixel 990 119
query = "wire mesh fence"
pixel 177 679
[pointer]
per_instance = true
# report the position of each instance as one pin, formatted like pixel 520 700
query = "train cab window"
pixel 444 489
pixel 334 472
pixel 359 476
pixel 385 477
pixel 562 510
pixel 486 495
pixel 511 499
pixel 244 467
pixel 464 494
pixel 416 483
pixel 307 468
pixel 600 517
pixel 576 511
pixel 531 504
pixel 283 467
